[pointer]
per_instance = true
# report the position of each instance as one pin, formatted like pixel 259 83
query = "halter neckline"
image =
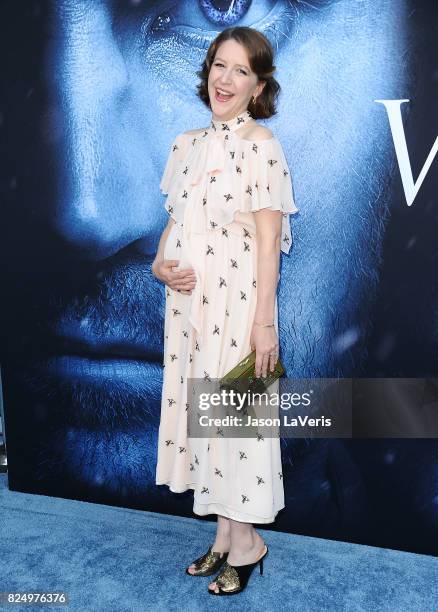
pixel 232 124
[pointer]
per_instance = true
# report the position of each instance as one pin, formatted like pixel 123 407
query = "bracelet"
pixel 264 324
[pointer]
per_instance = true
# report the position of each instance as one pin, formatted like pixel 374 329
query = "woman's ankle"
pixel 222 540
pixel 223 526
pixel 245 542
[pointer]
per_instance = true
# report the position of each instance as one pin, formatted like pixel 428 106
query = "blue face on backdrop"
pixel 109 85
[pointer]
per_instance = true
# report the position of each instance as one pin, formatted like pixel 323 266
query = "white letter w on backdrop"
pixel 401 150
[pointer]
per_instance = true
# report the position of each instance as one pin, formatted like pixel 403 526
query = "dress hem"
pixel 218 508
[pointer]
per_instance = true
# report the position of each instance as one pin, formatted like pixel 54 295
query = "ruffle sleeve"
pixel 266 182
pixel 172 164
pixel 216 179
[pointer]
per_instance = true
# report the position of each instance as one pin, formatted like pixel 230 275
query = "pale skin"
pixel 231 72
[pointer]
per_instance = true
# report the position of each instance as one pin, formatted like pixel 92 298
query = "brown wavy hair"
pixel 261 57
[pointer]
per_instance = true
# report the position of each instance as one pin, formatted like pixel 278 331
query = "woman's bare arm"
pixel 268 224
pixel 264 339
pixel 159 257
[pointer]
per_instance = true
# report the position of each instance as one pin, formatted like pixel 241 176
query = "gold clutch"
pixel 242 377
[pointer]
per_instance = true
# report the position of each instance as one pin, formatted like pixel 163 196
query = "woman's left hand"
pixel 265 342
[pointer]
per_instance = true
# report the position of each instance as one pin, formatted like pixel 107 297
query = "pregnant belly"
pixel 173 246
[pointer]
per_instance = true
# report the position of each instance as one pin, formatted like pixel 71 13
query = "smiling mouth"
pixel 220 97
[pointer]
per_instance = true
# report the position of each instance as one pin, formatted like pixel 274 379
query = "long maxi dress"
pixel 215 180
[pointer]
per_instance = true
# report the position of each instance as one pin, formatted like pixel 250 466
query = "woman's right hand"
pixel 183 281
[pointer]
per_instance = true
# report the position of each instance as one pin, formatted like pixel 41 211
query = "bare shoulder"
pixel 194 132
pixel 258 132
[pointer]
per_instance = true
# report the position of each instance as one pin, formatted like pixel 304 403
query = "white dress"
pixel 215 180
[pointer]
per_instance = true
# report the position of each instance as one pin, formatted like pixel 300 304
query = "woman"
pixel 229 199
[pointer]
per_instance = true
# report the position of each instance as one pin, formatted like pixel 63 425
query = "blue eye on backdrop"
pixel 198 23
pixel 224 13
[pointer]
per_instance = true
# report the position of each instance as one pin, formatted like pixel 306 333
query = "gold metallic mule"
pixel 233 579
pixel 208 564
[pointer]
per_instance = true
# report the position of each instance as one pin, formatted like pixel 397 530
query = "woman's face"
pixel 231 74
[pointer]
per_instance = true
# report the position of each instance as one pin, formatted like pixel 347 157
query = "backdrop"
pixel 95 92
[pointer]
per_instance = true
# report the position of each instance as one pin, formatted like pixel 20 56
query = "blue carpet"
pixel 116 559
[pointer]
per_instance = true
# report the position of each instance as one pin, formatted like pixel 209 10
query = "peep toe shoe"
pixel 208 564
pixel 233 579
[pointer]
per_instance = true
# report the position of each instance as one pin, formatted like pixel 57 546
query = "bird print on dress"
pixel 225 292
pixel 259 148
